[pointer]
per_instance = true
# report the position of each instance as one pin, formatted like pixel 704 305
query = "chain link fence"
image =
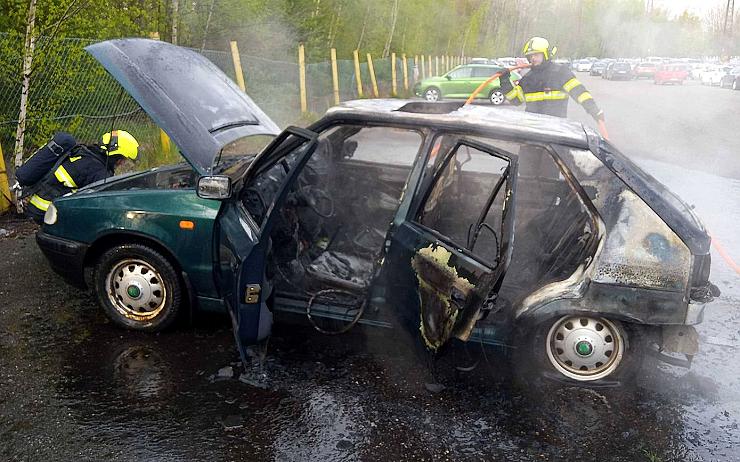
pixel 70 91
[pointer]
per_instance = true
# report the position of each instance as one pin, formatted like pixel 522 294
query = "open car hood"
pixel 185 94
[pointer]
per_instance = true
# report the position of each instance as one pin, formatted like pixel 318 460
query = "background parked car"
pixel 461 81
pixel 583 65
pixel 645 69
pixel 618 70
pixel 598 68
pixel 713 75
pixel 729 80
pixel 671 73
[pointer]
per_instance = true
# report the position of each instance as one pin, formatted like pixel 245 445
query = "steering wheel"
pixel 317 199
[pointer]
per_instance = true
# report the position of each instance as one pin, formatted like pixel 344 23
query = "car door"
pixel 448 254
pixel 243 229
pixel 458 82
pixel 479 75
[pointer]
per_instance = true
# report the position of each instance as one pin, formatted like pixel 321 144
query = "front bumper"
pixel 66 257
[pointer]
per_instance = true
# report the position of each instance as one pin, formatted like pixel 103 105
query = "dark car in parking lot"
pixel 618 70
pixel 598 68
pixel 435 221
pixel 731 79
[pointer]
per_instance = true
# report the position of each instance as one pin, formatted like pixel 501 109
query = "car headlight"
pixel 50 217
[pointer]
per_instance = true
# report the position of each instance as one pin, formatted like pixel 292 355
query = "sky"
pixel 698 7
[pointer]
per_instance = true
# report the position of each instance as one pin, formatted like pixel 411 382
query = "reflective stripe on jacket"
pixel 546 88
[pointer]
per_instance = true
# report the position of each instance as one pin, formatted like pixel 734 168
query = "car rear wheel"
pixel 432 94
pixel 580 349
pixel 497 97
pixel 138 287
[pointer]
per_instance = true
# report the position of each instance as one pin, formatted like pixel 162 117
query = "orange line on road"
pixel 725 256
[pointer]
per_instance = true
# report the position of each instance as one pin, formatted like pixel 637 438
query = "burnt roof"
pixel 500 121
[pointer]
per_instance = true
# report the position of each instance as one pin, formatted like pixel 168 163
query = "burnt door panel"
pixel 447 259
pixel 243 233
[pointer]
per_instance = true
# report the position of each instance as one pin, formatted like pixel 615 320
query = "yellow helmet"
pixel 121 143
pixel 538 45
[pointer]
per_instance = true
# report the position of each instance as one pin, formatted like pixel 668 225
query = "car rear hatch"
pixel 186 95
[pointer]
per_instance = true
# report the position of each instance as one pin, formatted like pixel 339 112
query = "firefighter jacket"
pixel 85 165
pixel 546 88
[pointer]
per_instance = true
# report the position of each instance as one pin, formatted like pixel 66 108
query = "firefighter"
pixel 82 165
pixel 546 87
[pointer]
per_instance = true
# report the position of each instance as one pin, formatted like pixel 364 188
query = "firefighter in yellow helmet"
pixel 547 86
pixel 78 166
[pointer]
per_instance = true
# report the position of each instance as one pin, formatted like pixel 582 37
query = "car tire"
pixel 540 355
pixel 137 287
pixel 496 97
pixel 432 94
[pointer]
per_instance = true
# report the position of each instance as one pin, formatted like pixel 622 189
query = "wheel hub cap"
pixel 585 348
pixel 136 289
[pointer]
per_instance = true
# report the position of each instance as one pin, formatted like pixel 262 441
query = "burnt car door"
pixel 449 253
pixel 243 233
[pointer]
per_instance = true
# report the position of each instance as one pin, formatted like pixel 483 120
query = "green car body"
pixel 124 210
pixel 462 81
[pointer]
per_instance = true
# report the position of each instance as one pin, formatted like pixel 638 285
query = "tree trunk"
pixel 175 8
pixel 364 25
pixel 27 66
pixel 208 24
pixel 394 17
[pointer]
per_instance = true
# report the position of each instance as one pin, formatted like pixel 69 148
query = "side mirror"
pixel 214 187
pixel 448 77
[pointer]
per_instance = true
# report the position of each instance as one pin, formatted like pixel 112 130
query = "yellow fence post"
pixel 436 65
pixel 164 139
pixel 334 75
pixel 405 72
pixel 237 66
pixel 394 89
pixel 4 186
pixel 423 68
pixel 302 77
pixel 358 76
pixel 370 67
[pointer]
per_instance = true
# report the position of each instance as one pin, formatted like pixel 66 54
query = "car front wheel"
pixel 497 97
pixel 432 94
pixel 138 287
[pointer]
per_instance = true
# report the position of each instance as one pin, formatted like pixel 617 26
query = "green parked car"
pixel 461 81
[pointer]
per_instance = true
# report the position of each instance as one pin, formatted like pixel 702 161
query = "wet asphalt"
pixel 75 387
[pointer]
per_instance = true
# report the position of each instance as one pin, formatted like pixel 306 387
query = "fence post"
pixel 436 65
pixel 405 73
pixel 370 67
pixel 429 63
pixel 4 187
pixel 447 63
pixel 302 77
pixel 394 88
pixel 334 75
pixel 423 68
pixel 238 66
pixel 358 76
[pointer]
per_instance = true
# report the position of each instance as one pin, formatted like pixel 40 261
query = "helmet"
pixel 121 143
pixel 539 45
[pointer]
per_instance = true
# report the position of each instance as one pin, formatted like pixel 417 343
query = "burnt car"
pixel 438 221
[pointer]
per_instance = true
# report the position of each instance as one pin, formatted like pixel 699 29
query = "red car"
pixel 644 70
pixel 671 73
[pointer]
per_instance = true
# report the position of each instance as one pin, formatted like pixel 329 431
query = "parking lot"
pixel 73 386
